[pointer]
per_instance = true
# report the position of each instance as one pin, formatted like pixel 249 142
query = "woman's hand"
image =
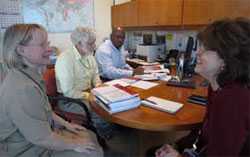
pixel 85 143
pixel 167 151
pixel 74 128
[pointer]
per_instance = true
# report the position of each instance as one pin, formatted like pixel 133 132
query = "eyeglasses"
pixel 43 45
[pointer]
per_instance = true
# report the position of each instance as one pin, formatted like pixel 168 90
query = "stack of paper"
pixel 153 76
pixel 162 104
pixel 144 84
pixel 116 98
pixel 123 82
pixel 142 62
pixel 157 71
pixel 147 77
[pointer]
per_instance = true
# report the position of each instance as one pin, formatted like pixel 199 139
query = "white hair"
pixel 82 34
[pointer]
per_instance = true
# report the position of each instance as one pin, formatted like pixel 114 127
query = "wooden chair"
pixel 55 97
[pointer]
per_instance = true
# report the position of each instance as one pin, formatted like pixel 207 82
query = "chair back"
pixel 51 89
pixel 49 78
pixel 50 81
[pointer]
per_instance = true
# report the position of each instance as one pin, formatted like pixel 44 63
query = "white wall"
pixel 102 12
pixel 103 18
pixel 121 1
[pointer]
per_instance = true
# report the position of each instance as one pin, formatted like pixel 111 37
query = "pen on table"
pixel 150 101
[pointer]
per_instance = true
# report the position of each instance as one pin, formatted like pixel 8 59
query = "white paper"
pixel 147 77
pixel 166 78
pixel 157 71
pixel 144 84
pixel 114 82
pixel 142 62
pixel 162 104
pixel 122 82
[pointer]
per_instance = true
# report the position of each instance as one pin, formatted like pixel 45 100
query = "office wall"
pixel 121 1
pixel 102 12
pixel 1 40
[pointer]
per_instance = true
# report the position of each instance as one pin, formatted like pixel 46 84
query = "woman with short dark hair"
pixel 224 60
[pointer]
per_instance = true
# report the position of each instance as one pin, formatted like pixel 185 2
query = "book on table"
pixel 119 106
pixel 162 104
pixel 116 98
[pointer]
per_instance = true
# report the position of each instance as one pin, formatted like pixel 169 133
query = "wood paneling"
pixel 116 15
pixel 202 12
pixel 231 9
pixel 156 13
pixel 197 12
pixel 159 12
pixel 125 15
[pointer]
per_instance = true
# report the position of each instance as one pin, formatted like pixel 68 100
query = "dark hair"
pixel 117 30
pixel 230 38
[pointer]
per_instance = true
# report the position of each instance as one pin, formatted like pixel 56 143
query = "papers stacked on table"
pixel 116 98
pixel 144 84
pixel 154 72
pixel 133 82
pixel 122 82
pixel 142 62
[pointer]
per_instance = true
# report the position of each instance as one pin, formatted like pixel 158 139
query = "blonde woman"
pixel 26 120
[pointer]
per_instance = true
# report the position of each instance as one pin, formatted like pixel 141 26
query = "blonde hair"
pixel 82 34
pixel 17 34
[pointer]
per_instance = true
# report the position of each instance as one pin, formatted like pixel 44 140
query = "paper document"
pixel 114 82
pixel 123 82
pixel 157 71
pixel 144 84
pixel 142 62
pixel 166 78
pixel 162 104
pixel 147 77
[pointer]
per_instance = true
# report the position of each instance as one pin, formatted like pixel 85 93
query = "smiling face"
pixel 37 51
pixel 209 64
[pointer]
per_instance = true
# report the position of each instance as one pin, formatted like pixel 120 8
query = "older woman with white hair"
pixel 76 70
pixel 26 119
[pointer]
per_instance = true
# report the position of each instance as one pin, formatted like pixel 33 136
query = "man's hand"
pixel 138 71
pixel 85 95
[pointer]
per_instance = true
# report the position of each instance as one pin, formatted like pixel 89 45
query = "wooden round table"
pixel 145 118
